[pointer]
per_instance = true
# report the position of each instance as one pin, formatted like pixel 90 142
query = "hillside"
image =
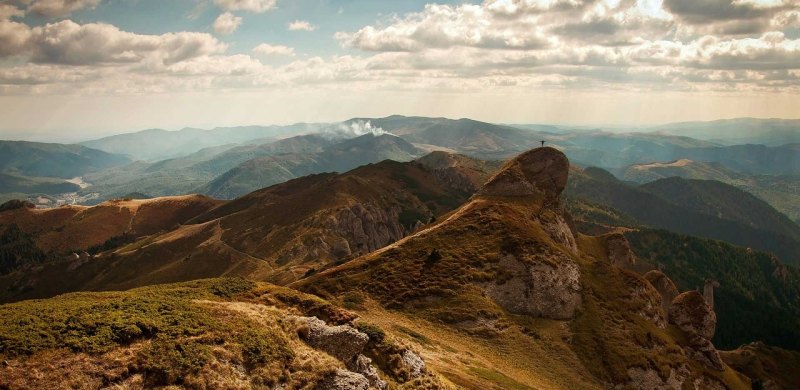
pixel 279 233
pixel 653 210
pixel 216 333
pixel 724 201
pixel 69 229
pixel 33 185
pixel 758 297
pixel 531 304
pixel 781 191
pixel 158 144
pixel 341 156
pixel 53 160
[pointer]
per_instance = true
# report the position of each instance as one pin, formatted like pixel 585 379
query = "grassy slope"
pixel 54 160
pixel 215 333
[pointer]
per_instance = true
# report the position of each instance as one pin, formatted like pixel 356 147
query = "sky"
pixel 76 69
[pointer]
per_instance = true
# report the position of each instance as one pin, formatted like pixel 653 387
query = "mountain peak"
pixel 540 172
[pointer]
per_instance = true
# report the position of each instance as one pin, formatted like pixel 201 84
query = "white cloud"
pixel 301 25
pixel 266 49
pixel 257 6
pixel 56 8
pixel 227 23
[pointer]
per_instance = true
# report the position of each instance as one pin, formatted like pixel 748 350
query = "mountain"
pixel 770 132
pixel 781 191
pixel 157 144
pixel 464 136
pixel 188 173
pixel 68 229
pixel 698 219
pixel 278 234
pixel 336 157
pixel 724 201
pixel 53 160
pixel 502 293
pixel 33 185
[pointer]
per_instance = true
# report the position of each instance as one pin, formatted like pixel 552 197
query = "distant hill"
pixel 338 157
pixel 770 132
pixel 54 160
pixel 157 144
pixel 32 185
pixel 781 191
pixel 659 211
pixel 68 229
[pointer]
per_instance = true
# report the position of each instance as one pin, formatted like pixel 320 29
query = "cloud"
pixel 707 11
pixel 352 129
pixel 301 25
pixel 56 8
pixel 227 23
pixel 266 49
pixel 257 6
pixel 69 43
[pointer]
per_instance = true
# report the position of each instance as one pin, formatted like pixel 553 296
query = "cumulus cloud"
pixel 227 23
pixel 266 49
pixel 352 129
pixel 301 25
pixel 257 6
pixel 69 43
pixel 56 8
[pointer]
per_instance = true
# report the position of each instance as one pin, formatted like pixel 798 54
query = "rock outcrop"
pixel 342 342
pixel 543 285
pixel 343 380
pixel 708 292
pixel 665 287
pixel 619 251
pixel 697 320
pixel 538 172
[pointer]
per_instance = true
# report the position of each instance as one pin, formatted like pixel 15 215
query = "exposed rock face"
pixel 694 317
pixel 538 172
pixel 647 294
pixel 344 380
pixel 413 363
pixel 365 227
pixel 708 292
pixel 557 228
pixel 650 379
pixel 665 287
pixel 363 365
pixel 543 285
pixel 619 251
pixel 342 342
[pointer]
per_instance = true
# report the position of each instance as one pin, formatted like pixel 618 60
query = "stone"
pixel 413 363
pixel 619 251
pixel 363 365
pixel 342 342
pixel 343 380
pixel 693 315
pixel 545 285
pixel 665 287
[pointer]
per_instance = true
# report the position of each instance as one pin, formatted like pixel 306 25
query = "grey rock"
pixel 343 380
pixel 363 365
pixel 342 342
pixel 413 363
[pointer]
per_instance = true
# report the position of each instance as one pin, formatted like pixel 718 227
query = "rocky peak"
pixel 619 251
pixel 540 172
pixel 665 287
pixel 697 320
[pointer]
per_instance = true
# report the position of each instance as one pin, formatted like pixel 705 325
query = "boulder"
pixel 343 380
pixel 413 363
pixel 363 365
pixel 342 342
pixel 665 287
pixel 693 315
pixel 619 251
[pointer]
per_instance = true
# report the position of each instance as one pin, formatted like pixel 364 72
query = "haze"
pixel 72 70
